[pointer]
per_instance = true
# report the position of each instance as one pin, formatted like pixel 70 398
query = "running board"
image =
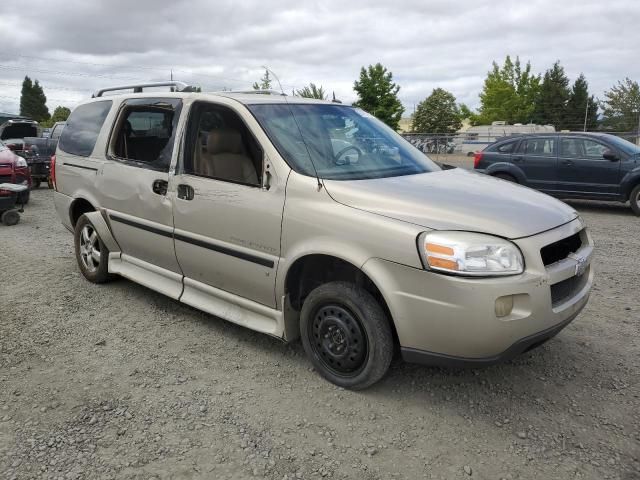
pixel 151 276
pixel 233 308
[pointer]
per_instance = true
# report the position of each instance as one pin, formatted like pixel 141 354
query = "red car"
pixel 14 169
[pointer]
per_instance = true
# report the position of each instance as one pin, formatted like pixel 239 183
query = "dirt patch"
pixel 117 381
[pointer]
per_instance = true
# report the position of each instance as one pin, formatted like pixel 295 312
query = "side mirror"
pixel 611 156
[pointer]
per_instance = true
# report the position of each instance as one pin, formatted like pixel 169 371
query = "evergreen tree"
pixel 622 106
pixel 508 94
pixel 265 82
pixel 438 113
pixel 378 95
pixel 551 106
pixel 33 102
pixel 581 104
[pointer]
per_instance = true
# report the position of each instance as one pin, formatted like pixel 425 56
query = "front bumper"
pixel 451 320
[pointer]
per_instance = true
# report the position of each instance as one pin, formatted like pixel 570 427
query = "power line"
pixel 140 67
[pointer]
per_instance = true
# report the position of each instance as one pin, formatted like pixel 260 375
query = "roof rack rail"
pixel 255 92
pixel 137 88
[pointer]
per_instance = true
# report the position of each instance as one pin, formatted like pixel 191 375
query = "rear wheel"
pixel 346 335
pixel 10 217
pixel 92 255
pixel 634 199
pixel 506 176
pixel 36 184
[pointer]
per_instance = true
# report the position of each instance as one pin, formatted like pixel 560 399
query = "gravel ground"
pixel 117 381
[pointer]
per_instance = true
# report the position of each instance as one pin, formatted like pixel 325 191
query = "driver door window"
pixel 221 147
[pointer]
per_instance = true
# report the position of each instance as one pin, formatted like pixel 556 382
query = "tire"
pixel 634 199
pixel 36 184
pixel 10 218
pixel 91 254
pixel 505 176
pixel 346 335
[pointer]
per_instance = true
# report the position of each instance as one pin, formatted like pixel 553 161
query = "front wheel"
pixel 346 334
pixel 634 199
pixel 91 253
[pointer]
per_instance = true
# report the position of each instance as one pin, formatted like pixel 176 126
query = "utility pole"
pixel 586 113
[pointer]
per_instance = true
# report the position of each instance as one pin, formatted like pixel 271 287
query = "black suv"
pixel 592 166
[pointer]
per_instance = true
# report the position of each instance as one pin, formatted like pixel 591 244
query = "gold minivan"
pixel 312 219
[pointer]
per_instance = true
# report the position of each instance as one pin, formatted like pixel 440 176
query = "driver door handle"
pixel 186 192
pixel 567 162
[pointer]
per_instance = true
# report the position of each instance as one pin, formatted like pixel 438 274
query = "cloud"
pixel 74 47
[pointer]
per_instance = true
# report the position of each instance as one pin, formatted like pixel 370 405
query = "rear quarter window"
pixel 83 127
pixel 506 147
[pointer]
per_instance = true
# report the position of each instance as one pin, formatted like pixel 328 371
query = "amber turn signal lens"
pixel 435 248
pixel 442 263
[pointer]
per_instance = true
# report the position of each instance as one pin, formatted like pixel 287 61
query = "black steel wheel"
pixel 338 339
pixel 346 335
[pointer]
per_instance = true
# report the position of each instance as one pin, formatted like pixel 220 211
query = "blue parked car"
pixel 593 166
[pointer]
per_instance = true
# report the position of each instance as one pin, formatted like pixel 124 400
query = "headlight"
pixel 470 254
pixel 21 162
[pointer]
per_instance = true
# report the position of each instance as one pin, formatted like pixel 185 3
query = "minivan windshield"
pixel 338 142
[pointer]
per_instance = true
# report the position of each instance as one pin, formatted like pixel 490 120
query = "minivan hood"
pixel 455 200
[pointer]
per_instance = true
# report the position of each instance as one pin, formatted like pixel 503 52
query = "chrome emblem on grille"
pixel 581 263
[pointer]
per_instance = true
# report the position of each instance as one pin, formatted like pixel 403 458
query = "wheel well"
pixel 311 271
pixel 503 174
pixel 78 207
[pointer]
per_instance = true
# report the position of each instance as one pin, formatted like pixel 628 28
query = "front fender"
pixel 505 167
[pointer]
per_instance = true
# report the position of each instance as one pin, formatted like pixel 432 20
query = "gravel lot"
pixel 117 381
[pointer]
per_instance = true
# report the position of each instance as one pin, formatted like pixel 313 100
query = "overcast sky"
pixel 76 46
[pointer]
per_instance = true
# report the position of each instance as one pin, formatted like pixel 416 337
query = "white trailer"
pixel 475 139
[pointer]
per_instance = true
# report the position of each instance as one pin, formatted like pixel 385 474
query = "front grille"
pixel 6 178
pixel 559 250
pixel 564 290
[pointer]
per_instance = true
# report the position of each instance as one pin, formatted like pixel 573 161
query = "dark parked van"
pixel 590 166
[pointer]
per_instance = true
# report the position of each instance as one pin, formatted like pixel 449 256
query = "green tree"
pixel 33 102
pixel 551 106
pixel 378 95
pixel 621 106
pixel 60 114
pixel 509 93
pixel 581 105
pixel 265 82
pixel 311 91
pixel 438 113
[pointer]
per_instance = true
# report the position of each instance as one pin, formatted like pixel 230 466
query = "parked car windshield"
pixel 624 145
pixel 342 143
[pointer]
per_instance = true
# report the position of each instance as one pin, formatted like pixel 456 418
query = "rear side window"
pixel 540 147
pixel 83 127
pixel 145 132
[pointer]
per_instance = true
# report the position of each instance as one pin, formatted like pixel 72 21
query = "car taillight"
pixel 477 158
pixel 53 171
